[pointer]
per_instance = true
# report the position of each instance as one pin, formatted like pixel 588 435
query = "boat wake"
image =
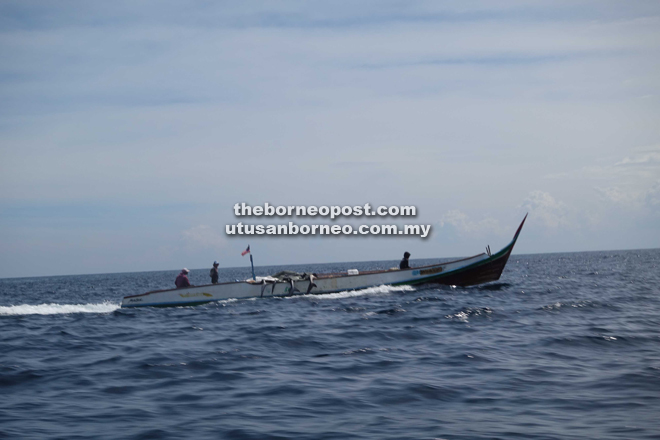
pixel 361 292
pixel 57 309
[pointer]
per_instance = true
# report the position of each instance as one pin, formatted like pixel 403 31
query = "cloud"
pixel 633 179
pixel 640 163
pixel 617 195
pixel 462 223
pixel 444 106
pixel 646 157
pixel 543 207
pixel 652 197
pixel 203 237
pixel 630 181
pixel 646 198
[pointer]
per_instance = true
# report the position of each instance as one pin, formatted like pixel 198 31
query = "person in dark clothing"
pixel 182 280
pixel 404 263
pixel 214 273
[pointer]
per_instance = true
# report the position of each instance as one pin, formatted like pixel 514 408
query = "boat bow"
pixel 481 271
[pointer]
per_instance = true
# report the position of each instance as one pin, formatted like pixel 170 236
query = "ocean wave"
pixel 584 340
pixel 361 292
pixel 466 313
pixel 576 305
pixel 57 309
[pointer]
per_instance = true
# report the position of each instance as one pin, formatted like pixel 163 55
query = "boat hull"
pixel 470 271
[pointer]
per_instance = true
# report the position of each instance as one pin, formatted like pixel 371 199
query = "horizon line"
pixel 304 264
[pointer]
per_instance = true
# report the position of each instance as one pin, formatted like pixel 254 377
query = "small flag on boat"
pixel 246 251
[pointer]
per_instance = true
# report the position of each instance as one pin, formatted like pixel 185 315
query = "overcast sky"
pixel 128 130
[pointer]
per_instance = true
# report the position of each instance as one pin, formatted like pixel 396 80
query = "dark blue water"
pixel 564 346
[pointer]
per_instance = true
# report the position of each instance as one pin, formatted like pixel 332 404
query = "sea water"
pixel 563 346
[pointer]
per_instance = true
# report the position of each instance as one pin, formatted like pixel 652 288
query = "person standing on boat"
pixel 404 263
pixel 182 280
pixel 214 273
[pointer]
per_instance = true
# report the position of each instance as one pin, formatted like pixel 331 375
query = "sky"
pixel 128 130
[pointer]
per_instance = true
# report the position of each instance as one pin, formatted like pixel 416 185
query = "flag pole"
pixel 252 264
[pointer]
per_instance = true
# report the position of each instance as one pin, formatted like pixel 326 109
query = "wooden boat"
pixel 478 269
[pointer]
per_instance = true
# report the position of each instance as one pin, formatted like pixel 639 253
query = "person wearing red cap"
pixel 182 280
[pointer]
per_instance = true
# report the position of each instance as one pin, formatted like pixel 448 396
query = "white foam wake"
pixel 361 292
pixel 57 309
